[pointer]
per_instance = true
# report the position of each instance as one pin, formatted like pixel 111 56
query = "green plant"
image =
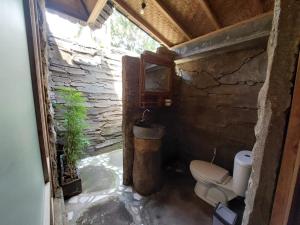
pixel 74 112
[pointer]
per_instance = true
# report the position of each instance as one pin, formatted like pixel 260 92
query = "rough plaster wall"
pixel 22 186
pixel 96 73
pixel 273 102
pixel 215 102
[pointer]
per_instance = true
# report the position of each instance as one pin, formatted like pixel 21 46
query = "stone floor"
pixel 105 201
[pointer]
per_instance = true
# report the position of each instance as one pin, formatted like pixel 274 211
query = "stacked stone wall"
pixel 96 72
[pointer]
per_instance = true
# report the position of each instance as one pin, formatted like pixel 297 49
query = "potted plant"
pixel 74 138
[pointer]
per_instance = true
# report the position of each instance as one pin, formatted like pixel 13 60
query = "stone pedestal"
pixel 147 166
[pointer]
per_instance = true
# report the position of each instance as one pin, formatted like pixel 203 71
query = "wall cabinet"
pixel 156 75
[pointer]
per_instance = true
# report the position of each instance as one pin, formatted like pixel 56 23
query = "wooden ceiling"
pixel 171 22
pixel 88 11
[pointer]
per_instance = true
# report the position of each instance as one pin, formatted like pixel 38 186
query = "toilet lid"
pixel 209 171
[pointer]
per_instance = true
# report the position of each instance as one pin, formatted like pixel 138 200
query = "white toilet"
pixel 214 184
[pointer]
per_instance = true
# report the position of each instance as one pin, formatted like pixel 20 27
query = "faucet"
pixel 143 116
pixel 214 156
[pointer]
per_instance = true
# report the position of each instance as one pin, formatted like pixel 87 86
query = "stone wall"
pixel 96 72
pixel 215 105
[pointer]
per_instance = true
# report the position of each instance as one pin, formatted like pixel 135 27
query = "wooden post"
pixel 130 79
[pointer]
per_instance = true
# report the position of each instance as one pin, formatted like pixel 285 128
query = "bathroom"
pixel 205 108
pixel 209 114
pixel 218 98
pixel 210 121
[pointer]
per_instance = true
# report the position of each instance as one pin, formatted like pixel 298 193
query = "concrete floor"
pixel 105 201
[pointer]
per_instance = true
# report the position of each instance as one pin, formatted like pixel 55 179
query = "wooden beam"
pixel 171 18
pixel 130 87
pixel 84 7
pixel 249 33
pixel 206 8
pixel 76 11
pixel 142 23
pixel 96 11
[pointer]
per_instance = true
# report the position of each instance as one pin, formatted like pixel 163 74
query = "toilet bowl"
pixel 214 183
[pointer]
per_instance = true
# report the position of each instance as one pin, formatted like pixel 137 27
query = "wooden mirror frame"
pixel 151 99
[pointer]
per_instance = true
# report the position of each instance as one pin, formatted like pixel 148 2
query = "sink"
pixel 152 131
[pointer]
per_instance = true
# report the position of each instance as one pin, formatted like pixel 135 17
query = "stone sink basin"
pixel 152 131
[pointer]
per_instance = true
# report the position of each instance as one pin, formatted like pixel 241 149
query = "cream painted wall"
pixel 21 177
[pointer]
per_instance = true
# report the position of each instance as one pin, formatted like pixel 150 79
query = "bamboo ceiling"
pixel 171 22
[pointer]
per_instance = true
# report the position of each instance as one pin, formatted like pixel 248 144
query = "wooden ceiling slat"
pixel 206 8
pixel 191 16
pixel 172 19
pixel 235 11
pixel 143 24
pixel 157 20
pixel 96 11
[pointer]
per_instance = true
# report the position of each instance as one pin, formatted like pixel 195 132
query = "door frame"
pixel 36 68
pixel 290 165
pixel 33 12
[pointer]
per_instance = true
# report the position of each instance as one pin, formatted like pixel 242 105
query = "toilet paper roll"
pixel 241 172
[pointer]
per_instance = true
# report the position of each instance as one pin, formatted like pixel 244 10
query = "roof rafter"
pixel 142 23
pixel 246 34
pixel 206 8
pixel 84 7
pixel 171 18
pixel 96 11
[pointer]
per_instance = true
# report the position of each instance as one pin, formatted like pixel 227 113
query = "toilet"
pixel 214 183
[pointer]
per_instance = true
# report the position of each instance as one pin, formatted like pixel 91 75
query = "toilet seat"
pixel 214 184
pixel 208 172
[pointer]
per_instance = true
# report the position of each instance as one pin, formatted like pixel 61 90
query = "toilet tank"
pixel 241 172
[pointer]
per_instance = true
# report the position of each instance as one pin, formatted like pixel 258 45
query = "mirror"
pixel 155 80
